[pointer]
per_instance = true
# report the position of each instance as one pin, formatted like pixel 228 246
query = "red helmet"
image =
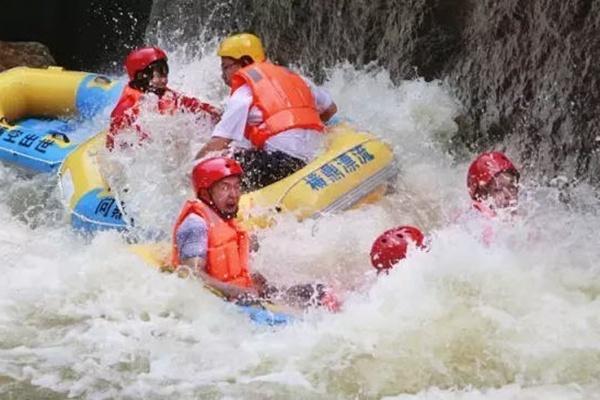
pixel 390 247
pixel 139 59
pixel 485 168
pixel 210 171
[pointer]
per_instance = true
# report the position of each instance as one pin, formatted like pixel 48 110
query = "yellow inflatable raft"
pixel 355 168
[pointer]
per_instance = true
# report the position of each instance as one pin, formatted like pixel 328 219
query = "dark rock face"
pixel 89 35
pixel 30 54
pixel 529 78
pixel 527 72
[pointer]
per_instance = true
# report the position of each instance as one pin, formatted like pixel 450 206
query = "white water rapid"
pixel 519 319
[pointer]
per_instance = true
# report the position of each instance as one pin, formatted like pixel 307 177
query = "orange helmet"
pixel 139 59
pixel 211 170
pixel 391 246
pixel 485 168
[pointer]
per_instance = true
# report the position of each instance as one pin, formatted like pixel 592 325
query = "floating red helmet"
pixel 390 247
pixel 139 59
pixel 485 168
pixel 207 172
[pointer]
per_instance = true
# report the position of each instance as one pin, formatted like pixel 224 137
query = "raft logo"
pixel 108 208
pixel 101 82
pixel 19 138
pixel 338 168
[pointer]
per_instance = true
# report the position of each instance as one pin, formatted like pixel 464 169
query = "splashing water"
pixel 152 177
pixel 517 319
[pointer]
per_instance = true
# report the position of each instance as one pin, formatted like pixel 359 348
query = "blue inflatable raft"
pixel 42 112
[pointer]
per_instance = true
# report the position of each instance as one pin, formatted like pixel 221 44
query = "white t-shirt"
pixel 300 143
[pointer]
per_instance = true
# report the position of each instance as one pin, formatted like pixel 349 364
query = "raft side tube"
pixel 353 170
pixel 158 255
pixel 91 203
pixel 355 166
pixel 32 103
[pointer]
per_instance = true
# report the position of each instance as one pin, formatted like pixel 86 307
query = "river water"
pixel 520 319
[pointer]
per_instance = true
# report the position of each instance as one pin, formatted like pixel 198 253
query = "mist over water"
pixel 519 319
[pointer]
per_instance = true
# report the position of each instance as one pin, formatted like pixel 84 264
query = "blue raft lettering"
pixel 116 214
pixel 12 135
pixel 362 154
pixel 104 206
pixel 108 208
pixel 43 145
pixel 28 140
pixel 332 173
pixel 315 181
pixel 347 163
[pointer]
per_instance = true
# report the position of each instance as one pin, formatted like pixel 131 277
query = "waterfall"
pixel 525 72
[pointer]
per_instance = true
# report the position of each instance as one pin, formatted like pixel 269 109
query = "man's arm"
pixel 329 112
pixel 228 290
pixel 195 106
pixel 232 125
pixel 323 100
pixel 198 265
pixel 214 144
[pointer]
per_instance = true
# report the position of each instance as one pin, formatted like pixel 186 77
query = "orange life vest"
pixel 127 110
pixel 167 103
pixel 228 245
pixel 283 97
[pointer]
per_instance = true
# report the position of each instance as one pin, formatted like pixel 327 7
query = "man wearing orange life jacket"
pixel 148 73
pixel 206 236
pixel 207 239
pixel 273 119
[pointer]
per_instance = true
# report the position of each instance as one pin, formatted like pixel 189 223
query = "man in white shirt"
pixel 273 120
